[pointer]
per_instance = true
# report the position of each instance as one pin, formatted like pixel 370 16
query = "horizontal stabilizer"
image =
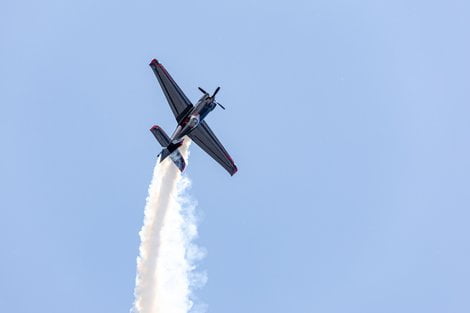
pixel 178 160
pixel 174 154
pixel 160 135
pixel 169 150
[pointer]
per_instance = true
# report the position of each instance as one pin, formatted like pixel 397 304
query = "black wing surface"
pixel 179 103
pixel 205 138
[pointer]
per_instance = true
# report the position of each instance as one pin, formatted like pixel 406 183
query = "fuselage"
pixel 192 120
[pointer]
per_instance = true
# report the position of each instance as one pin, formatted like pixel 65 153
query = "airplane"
pixel 191 123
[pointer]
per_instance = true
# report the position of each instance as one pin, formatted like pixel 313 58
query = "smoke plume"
pixel 165 265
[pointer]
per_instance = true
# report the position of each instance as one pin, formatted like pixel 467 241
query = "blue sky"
pixel 348 122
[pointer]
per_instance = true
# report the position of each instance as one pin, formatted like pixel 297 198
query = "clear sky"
pixel 349 122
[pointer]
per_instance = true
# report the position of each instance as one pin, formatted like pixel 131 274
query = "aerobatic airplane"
pixel 190 119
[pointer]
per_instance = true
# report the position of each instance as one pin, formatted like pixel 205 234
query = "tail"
pixel 169 148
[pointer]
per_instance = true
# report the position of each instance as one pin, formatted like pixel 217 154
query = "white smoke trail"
pixel 167 255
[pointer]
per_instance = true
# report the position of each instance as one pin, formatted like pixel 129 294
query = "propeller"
pixel 213 95
pixel 215 92
pixel 203 91
pixel 206 93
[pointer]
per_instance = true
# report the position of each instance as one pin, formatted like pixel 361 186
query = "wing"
pixel 179 103
pixel 205 138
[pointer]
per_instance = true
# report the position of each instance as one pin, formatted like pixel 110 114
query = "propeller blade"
pixel 202 90
pixel 220 105
pixel 215 92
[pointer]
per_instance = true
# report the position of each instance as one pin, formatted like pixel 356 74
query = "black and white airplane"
pixel 190 119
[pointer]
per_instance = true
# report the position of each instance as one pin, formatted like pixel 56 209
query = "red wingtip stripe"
pixel 154 62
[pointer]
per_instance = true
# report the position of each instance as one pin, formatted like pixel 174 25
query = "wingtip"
pixel 154 62
pixel 234 171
